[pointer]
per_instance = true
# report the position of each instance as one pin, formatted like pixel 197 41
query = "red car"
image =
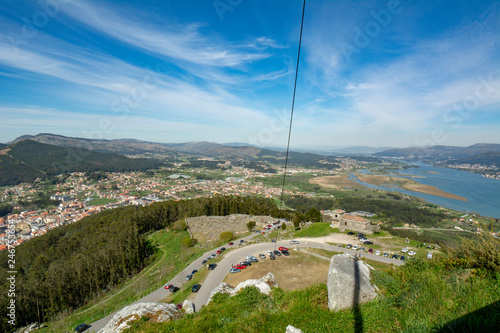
pixel 240 267
pixel 230 243
pixel 370 250
pixel 281 248
pixel 168 286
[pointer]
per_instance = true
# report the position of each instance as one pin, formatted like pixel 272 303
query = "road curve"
pixel 236 255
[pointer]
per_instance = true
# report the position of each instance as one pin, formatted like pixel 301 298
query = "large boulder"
pixel 224 288
pixel 291 329
pixel 348 282
pixel 264 284
pixel 188 307
pixel 261 285
pixel 157 312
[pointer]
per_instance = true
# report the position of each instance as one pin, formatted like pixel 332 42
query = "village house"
pixel 339 219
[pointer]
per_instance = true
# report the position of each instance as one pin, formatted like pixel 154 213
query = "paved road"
pixel 178 280
pixel 238 254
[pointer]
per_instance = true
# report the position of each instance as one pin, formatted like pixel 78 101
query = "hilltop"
pixel 439 153
pixel 26 160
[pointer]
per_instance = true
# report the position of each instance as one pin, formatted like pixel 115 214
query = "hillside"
pixel 211 149
pixel 27 160
pixel 439 153
pixel 451 294
pixel 489 158
pixel 119 146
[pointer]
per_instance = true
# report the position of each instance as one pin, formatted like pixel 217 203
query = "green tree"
pixel 251 225
pixel 298 219
pixel 226 236
pixel 180 225
pixel 189 242
pixel 313 215
pixel 283 226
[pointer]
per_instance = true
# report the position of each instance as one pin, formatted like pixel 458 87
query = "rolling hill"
pixel 439 153
pixel 26 160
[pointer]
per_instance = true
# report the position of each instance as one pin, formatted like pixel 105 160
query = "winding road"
pixel 237 254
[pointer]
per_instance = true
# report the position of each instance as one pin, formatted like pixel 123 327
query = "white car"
pixel 355 247
pixel 412 253
pixel 404 250
pixel 294 242
pixel 269 252
pixel 377 253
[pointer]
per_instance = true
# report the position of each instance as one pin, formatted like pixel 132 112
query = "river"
pixel 482 194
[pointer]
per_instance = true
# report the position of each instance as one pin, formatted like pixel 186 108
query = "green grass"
pixel 316 230
pixel 100 201
pixel 169 260
pixel 418 297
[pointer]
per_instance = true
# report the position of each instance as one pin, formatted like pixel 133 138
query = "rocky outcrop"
pixel 157 312
pixel 264 285
pixel 188 307
pixel 348 282
pixel 223 288
pixel 291 329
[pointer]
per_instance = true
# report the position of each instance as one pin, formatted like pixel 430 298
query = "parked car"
pixel 272 256
pixel 355 247
pixel 174 289
pixel 234 270
pixel 242 241
pixel 81 327
pixel 281 248
pixel 370 251
pixel 395 256
pixel 361 249
pixel 404 250
pixel 204 261
pixel 294 242
pixel 278 253
pixel 240 267
pixel 340 245
pixel 348 246
pixel 360 235
pixel 251 259
pixel 219 251
pixel 194 271
pixel 402 258
pixel 230 243
pixel 223 249
pixel 168 286
pixel 377 253
pixel 412 253
pixel 179 305
pixel 195 288
pixel 386 254
pixel 262 256
pixel 189 276
pixel 212 266
pixel 246 263
pixel 285 252
pixel 350 233
pixel 367 242
pixel 269 252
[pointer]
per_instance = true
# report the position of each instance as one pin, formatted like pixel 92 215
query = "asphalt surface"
pixel 236 255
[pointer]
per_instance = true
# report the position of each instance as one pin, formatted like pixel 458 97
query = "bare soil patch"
pixel 338 182
pixel 407 184
pixel 297 271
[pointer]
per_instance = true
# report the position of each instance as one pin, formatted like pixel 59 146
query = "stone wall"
pixel 208 228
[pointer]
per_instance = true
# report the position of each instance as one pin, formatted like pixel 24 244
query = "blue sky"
pixel 374 73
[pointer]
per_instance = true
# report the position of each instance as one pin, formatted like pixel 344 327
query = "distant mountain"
pixel 118 146
pixel 2 145
pixel 489 158
pixel 211 149
pixel 26 160
pixel 439 153
pixel 359 150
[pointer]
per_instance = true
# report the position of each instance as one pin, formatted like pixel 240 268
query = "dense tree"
pixel 313 215
pixel 251 225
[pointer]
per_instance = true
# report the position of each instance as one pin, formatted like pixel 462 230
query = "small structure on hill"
pixel 339 219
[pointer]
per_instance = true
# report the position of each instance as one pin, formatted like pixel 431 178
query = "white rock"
pixel 224 288
pixel 157 312
pixel 188 307
pixel 270 280
pixel 291 329
pixel 348 282
pixel 263 287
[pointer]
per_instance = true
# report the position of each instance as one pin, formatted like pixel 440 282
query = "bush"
pixel 180 225
pixel 483 253
pixel 226 236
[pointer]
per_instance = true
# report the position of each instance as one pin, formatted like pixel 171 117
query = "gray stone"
pixel 224 288
pixel 188 307
pixel 348 282
pixel 157 312
pixel 291 329
pixel 270 280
